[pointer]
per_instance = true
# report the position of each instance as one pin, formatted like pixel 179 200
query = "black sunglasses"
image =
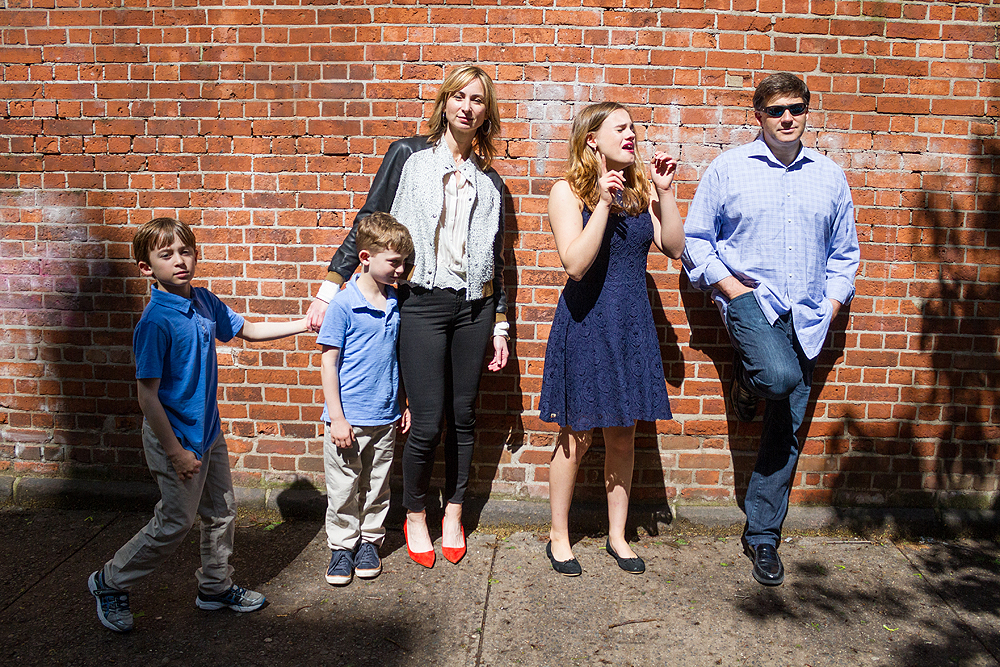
pixel 778 110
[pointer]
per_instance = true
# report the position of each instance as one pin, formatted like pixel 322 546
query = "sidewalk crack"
pixel 486 604
pixel 52 569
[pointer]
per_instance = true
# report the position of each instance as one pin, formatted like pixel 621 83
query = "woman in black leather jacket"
pixel 443 189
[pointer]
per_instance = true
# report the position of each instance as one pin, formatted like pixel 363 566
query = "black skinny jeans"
pixel 442 342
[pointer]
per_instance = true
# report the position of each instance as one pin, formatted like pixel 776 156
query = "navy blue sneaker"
pixel 341 568
pixel 112 604
pixel 367 564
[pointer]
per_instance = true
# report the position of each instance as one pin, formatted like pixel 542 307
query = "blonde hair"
pixel 380 231
pixel 160 233
pixel 585 166
pixel 456 80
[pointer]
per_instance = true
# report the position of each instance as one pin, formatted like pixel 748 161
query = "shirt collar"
pixel 760 149
pixel 162 297
pixel 357 301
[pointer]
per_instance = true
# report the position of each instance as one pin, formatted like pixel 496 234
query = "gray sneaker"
pixel 112 604
pixel 236 598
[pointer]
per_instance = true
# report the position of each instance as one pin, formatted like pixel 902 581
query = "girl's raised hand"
pixel 663 169
pixel 610 182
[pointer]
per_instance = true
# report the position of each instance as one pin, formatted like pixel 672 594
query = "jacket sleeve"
pixel 380 196
pixel 498 250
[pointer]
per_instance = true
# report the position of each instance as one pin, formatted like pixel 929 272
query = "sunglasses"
pixel 778 110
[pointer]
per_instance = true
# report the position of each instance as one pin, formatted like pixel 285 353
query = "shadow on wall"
pixel 69 313
pixel 941 445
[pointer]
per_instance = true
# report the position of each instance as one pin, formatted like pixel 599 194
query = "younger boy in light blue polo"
pixel 362 403
pixel 177 377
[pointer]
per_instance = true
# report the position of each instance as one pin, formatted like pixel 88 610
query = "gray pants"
pixel 209 494
pixel 357 486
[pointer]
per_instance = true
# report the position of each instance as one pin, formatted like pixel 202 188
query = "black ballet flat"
pixel 567 568
pixel 631 565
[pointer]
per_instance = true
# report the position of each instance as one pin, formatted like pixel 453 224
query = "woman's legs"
pixel 423 342
pixel 619 461
pixel 469 337
pixel 570 447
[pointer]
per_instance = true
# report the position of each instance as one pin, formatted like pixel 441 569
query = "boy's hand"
pixel 341 433
pixel 404 421
pixel 185 464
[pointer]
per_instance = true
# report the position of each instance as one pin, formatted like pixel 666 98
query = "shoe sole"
pixel 767 582
pixel 367 574
pixel 215 606
pixel 92 587
pixel 338 579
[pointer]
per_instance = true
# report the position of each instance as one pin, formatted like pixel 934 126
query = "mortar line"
pixel 486 603
pixel 52 569
pixel 930 584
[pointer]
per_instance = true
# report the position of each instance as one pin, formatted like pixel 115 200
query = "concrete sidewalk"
pixel 845 601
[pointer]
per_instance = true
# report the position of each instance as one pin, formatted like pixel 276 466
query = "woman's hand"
pixel 499 354
pixel 315 314
pixel 662 170
pixel 611 183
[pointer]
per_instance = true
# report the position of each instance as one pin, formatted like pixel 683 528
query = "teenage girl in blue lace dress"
pixel 602 362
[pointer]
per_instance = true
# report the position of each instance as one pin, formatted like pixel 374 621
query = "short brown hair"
pixel 159 233
pixel 781 83
pixel 380 231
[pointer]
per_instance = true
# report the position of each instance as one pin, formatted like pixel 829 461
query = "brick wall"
pixel 261 124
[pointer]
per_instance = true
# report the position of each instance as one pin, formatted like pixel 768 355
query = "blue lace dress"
pixel 602 360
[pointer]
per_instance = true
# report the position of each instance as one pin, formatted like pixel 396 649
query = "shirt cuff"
pixel 327 291
pixel 715 271
pixel 840 290
pixel 502 329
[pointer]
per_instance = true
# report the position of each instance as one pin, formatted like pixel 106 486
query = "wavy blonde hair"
pixel 456 80
pixel 585 165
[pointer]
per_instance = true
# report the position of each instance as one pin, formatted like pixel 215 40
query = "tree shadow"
pixel 939 444
pixel 947 614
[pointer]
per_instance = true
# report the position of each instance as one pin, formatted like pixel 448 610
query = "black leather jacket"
pixel 380 198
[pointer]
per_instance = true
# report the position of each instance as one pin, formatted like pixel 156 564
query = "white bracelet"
pixel 502 329
pixel 327 291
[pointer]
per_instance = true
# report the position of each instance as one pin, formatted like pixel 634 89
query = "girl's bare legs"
pixel 619 460
pixel 416 532
pixel 570 447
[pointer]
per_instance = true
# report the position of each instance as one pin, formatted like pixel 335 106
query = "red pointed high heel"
pixel 453 554
pixel 425 558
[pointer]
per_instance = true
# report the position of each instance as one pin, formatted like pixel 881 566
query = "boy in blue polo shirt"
pixel 363 400
pixel 177 375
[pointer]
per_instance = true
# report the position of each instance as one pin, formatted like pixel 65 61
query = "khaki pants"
pixel 357 486
pixel 209 495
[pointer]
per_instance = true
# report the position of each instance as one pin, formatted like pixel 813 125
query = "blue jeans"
pixel 772 365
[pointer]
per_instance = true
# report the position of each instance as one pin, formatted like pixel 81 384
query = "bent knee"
pixel 778 382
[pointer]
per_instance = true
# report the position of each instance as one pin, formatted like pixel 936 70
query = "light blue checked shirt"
pixel 788 232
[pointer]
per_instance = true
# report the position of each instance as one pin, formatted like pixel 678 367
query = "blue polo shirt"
pixel 175 342
pixel 369 370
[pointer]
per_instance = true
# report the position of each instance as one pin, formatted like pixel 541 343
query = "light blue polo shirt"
pixel 175 342
pixel 369 370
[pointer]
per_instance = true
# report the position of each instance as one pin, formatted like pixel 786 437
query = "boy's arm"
pixel 185 463
pixel 261 331
pixel 341 432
